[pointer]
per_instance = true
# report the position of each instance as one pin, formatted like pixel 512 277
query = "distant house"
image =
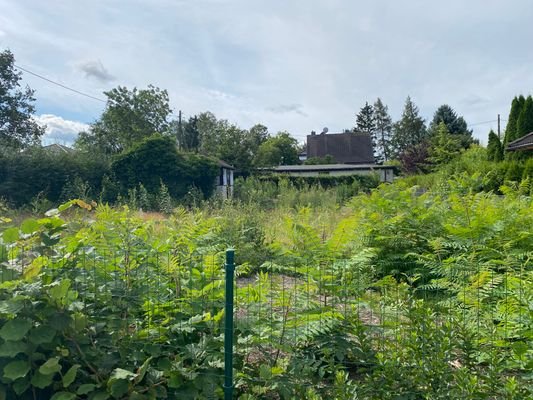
pixel 57 148
pixel 525 143
pixel 385 173
pixel 224 181
pixel 344 148
pixel 352 153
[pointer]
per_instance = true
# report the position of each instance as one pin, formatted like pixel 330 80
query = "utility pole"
pixel 499 126
pixel 180 133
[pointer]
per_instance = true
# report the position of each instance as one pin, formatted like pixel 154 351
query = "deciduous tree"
pixel 130 116
pixel 17 127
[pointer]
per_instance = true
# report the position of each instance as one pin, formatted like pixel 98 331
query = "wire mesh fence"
pixel 295 327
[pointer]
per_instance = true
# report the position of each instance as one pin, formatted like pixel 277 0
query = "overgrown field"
pixel 400 294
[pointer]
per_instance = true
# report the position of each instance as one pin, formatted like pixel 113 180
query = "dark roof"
pixel 524 143
pixel 224 164
pixel 327 167
pixel 345 148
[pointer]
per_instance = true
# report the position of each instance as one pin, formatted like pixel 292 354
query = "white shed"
pixel 224 182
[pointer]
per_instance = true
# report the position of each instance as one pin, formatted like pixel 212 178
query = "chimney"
pixel 313 133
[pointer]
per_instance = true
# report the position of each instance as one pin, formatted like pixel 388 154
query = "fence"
pixel 148 321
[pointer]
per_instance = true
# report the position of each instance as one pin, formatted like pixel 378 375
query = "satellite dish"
pixel 325 130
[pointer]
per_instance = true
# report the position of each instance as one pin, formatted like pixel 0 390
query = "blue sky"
pixel 290 65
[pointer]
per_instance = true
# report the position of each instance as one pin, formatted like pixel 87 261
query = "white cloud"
pixel 254 62
pixel 60 130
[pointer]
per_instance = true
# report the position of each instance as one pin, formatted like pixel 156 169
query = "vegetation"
pixel 17 128
pixel 397 294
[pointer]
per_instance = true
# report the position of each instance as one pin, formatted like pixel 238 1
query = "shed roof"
pixel 327 167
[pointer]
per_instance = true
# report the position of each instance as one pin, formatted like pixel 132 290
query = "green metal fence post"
pixel 228 327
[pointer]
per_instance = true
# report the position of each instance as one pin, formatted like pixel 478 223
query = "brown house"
pixel 344 148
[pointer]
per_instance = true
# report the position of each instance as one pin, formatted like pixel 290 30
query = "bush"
pixel 155 160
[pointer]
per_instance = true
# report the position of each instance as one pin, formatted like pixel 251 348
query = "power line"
pixel 486 122
pixel 59 84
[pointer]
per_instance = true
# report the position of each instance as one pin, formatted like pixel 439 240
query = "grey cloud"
pixel 288 108
pixel 95 69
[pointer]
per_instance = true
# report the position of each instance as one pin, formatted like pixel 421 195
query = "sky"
pixel 291 65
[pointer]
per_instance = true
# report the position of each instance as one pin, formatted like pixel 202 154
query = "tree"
pixel 155 161
pixel 17 127
pixel 187 135
pixel 383 125
pixel 494 147
pixel 130 116
pixel 278 150
pixel 365 123
pixel 455 125
pixel 409 131
pixel 511 128
pixel 444 146
pixel 524 124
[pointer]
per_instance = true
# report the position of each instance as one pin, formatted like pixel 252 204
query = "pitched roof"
pixel 345 148
pixel 224 164
pixel 523 143
pixel 58 148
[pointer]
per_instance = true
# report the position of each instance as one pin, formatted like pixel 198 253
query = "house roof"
pixel 523 143
pixel 345 148
pixel 58 148
pixel 327 167
pixel 224 164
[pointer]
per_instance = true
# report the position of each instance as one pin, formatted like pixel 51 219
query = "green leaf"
pixel 42 334
pixel 29 226
pixel 15 329
pixel 86 388
pixel 11 235
pixel 12 306
pixel 142 370
pixel 11 349
pixel 51 366
pixel 35 267
pixel 69 377
pixel 63 396
pixel 21 385
pixel 119 373
pixel 41 381
pixel 16 369
pixel 60 290
pixel 119 388
pixel 100 396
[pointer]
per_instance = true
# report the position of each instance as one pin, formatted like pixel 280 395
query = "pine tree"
pixel 494 147
pixel 524 124
pixel 365 123
pixel 444 146
pixel 409 131
pixel 383 123
pixel 456 125
pixel 510 129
